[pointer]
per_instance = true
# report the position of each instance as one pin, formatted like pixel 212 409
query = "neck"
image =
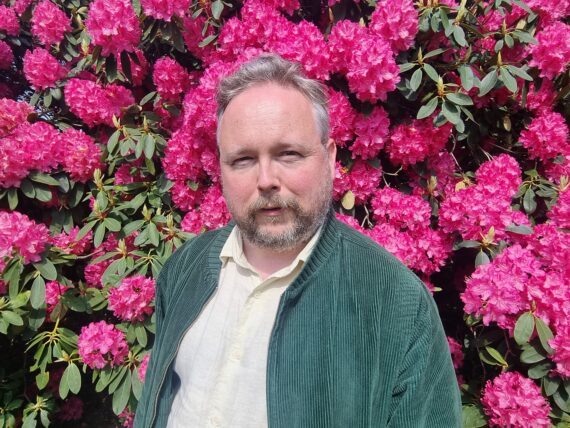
pixel 267 261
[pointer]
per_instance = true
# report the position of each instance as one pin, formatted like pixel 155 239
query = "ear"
pixel 330 148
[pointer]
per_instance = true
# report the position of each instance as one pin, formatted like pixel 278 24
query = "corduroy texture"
pixel 357 340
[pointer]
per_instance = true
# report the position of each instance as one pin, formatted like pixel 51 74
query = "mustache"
pixel 274 201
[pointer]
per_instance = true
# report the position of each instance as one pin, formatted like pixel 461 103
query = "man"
pixel 288 318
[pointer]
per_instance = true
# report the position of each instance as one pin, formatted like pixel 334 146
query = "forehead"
pixel 268 108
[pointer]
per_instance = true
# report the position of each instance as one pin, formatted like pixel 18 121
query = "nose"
pixel 267 178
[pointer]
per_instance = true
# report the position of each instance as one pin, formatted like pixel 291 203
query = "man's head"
pixel 277 162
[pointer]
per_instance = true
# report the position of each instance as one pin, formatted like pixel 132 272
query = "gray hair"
pixel 271 68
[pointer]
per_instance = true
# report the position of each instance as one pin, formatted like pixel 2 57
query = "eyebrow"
pixel 245 151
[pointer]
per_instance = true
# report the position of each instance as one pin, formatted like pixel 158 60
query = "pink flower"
pixel 113 25
pixel 342 117
pixel 165 9
pixel 68 244
pixel 396 22
pixel 456 353
pixel 192 35
pixel 288 6
pixel 560 213
pixel 80 155
pixel 9 21
pixel 561 346
pixel 372 69
pixel 372 133
pixel 21 236
pixel 546 136
pixel 362 180
pixel 192 223
pixel 213 210
pixel 170 78
pixel 142 367
pixel 42 70
pixel 94 104
pixel 552 53
pixel 12 114
pixel 511 400
pixel 343 39
pixel 410 144
pixel 101 344
pixel 54 291
pixel 130 300
pixel 540 100
pixel 6 56
pixel 49 23
pixel 127 418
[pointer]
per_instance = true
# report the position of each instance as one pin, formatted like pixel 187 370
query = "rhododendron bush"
pixel 451 120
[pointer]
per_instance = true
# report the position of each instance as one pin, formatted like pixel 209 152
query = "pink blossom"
pixel 560 212
pixel 79 154
pixel 101 344
pixel 342 117
pixel 396 22
pixel 511 400
pixel 552 53
pixel 456 353
pixel 372 133
pixel 372 69
pixel 130 300
pixel 165 9
pixel 170 78
pixel 561 346
pixel 12 114
pixel 9 21
pixel 410 144
pixel 192 35
pixel 288 6
pixel 68 243
pixel 213 210
pixel 540 100
pixel 54 291
pixel 49 23
pixel 20 6
pixel 127 418
pixel 42 70
pixel 113 25
pixel 185 197
pixel 362 180
pixel 192 223
pixel 6 56
pixel 94 104
pixel 21 236
pixel 546 136
pixel 142 367
pixel 343 39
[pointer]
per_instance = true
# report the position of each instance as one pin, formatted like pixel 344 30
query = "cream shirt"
pixel 222 359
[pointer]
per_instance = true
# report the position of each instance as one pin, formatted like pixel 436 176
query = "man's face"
pixel 276 174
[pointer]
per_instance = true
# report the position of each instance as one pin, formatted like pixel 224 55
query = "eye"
pixel 243 161
pixel 290 155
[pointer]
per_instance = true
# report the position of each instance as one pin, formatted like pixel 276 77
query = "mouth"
pixel 271 211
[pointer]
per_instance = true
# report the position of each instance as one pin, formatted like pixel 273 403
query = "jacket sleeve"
pixel 426 393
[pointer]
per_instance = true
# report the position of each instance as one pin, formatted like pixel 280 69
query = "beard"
pixel 303 222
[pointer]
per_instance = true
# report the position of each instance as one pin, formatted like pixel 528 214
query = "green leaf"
pixel 99 234
pixel 524 328
pixel 122 394
pixel 38 295
pixel 28 189
pixel 473 417
pixel 12 318
pixel 519 229
pixel 562 401
pixel 142 337
pixel 416 79
pixel 112 224
pixel 147 98
pixel 468 244
pixel 551 385
pixel 42 193
pixel 153 234
pixel 459 36
pixel 524 6
pixel 39 177
pixel 113 141
pixel 525 37
pixel 529 201
pixel 431 72
pixel 450 112
pixel 85 230
pixel 217 9
pixel 42 380
pixel 73 378
pixel 149 145
pixel 544 335
pixel 488 83
pixel 482 258
pixel 508 79
pixel 12 198
pixel 64 384
pixel 407 66
pixel 137 385
pixel 434 53
pixel 509 41
pixel 531 355
pixel 540 370
pixel 519 72
pixel 207 40
pixel 111 68
pixel 427 109
pixel 459 99
pixel 496 356
pixel 47 269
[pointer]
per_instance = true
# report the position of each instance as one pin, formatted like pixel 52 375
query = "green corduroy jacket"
pixel 357 340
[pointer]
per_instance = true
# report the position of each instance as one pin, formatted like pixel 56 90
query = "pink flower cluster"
pixel 371 133
pixel 12 114
pixel 396 22
pixel 95 104
pixel 560 213
pixel 79 154
pixel 546 136
pixel 49 23
pixel 473 210
pixel 94 271
pixel 130 300
pixel 6 56
pixel 43 70
pixel 9 21
pixel 54 291
pixel 29 147
pixel 362 179
pixel 511 400
pixel 552 53
pixel 212 214
pixel 342 117
pixel 170 78
pixel 410 144
pixel 165 10
pixel 456 356
pixel 113 25
pixel 101 344
pixel 21 236
pixel 68 243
